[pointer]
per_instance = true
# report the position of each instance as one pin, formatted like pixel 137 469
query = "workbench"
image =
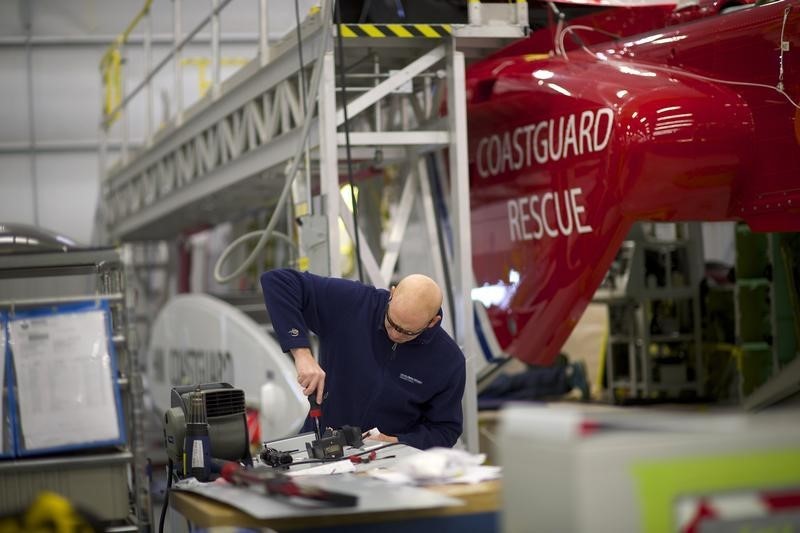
pixel 479 514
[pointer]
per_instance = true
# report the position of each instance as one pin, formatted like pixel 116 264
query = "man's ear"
pixel 391 291
pixel 434 321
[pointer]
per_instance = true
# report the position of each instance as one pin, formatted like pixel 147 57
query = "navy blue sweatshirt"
pixel 411 390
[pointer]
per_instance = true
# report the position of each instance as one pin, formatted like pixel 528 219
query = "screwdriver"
pixel 315 412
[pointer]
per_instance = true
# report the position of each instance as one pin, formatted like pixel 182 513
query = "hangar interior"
pixel 603 196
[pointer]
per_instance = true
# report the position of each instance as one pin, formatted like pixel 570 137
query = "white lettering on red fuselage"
pixel 551 214
pixel 549 140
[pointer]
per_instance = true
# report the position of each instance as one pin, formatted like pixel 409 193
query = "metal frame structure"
pixel 225 155
pixel 761 270
pixel 633 296
pixel 110 269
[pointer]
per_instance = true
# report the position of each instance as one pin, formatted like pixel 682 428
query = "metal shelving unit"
pixel 655 342
pixel 111 483
pixel 765 318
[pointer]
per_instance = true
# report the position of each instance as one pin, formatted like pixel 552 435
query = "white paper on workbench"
pixel 64 381
pixel 337 467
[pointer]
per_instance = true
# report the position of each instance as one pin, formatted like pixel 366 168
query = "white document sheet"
pixel 64 382
pixel 337 467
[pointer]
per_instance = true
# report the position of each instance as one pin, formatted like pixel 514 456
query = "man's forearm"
pixel 309 374
pixel 301 353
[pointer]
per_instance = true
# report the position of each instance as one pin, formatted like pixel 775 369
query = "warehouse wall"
pixel 50 94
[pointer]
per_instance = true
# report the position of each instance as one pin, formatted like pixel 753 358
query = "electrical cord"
pixel 300 55
pixel 569 29
pixel 277 234
pixel 362 18
pixel 727 82
pixel 381 447
pixel 343 87
pixel 440 215
pixel 267 232
pixel 782 47
pixel 303 95
pixel 312 461
pixel 166 497
pixel 679 72
pixel 357 62
pixel 559 24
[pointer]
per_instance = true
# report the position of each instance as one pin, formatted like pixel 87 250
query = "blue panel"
pixel 7 407
pixel 473 523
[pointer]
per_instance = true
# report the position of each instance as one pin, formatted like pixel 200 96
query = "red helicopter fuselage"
pixel 568 150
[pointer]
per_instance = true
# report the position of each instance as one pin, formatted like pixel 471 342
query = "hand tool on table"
pixel 330 445
pixel 315 413
pixel 372 456
pixel 277 484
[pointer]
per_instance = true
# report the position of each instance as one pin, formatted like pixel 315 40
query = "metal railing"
pixel 117 99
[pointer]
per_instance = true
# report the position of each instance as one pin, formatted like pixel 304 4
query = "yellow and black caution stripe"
pixel 406 31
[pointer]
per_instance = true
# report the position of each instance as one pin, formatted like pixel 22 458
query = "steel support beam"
pixel 329 160
pixel 460 218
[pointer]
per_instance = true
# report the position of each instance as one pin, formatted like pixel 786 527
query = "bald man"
pixel 384 360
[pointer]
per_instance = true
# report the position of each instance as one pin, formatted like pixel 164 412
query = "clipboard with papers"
pixel 66 392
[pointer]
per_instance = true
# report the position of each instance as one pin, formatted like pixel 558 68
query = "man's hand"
pixel 309 374
pixel 385 438
pixel 380 437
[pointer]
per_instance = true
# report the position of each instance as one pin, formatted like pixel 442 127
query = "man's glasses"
pixel 399 329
